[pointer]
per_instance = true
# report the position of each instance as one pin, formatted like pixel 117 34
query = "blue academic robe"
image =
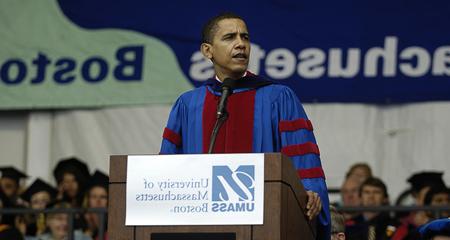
pixel 263 118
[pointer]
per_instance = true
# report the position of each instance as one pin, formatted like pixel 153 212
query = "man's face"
pixel 230 48
pixel 372 196
pixel 350 193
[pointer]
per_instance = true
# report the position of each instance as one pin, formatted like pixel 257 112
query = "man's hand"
pixel 314 205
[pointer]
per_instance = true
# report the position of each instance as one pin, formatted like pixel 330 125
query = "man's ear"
pixel 206 50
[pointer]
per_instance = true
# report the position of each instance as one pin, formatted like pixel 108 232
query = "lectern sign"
pixel 212 189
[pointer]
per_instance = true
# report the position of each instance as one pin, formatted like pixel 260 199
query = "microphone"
pixel 227 89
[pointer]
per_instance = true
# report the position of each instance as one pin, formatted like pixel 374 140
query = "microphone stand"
pixel 217 125
pixel 222 114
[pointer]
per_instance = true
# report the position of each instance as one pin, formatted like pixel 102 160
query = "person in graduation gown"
pixel 38 195
pixel 421 183
pixel 10 183
pixel 8 229
pixel 262 116
pixel 72 177
pixel 96 197
pixel 58 224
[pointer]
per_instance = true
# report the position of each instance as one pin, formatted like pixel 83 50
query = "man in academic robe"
pixel 261 116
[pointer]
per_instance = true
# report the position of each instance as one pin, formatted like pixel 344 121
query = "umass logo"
pixel 233 190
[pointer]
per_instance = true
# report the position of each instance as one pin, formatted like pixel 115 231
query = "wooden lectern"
pixel 284 210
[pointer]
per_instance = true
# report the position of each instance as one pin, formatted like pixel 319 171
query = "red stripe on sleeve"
pixel 172 136
pixel 294 125
pixel 316 172
pixel 300 149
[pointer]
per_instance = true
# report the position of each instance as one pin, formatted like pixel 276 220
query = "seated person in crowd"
pixel 350 195
pixel 361 171
pixel 10 183
pixel 57 225
pixel 96 197
pixel 356 175
pixel 438 196
pixel 337 224
pixel 72 177
pixel 420 185
pixel 38 196
pixel 370 224
pixel 8 229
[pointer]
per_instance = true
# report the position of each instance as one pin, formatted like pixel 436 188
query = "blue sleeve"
pixel 299 143
pixel 172 139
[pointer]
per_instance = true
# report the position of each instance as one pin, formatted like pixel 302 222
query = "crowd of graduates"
pixel 75 188
pixel 361 189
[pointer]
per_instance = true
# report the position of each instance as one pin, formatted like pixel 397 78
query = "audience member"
pixel 72 177
pixel 337 224
pixel 10 183
pixel 422 182
pixel 8 229
pixel 57 225
pixel 438 196
pixel 372 225
pixel 96 197
pixel 20 221
pixel 38 195
pixel 360 171
pixel 420 185
pixel 350 195
pixel 357 173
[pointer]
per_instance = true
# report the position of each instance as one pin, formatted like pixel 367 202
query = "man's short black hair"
pixel 374 182
pixel 210 27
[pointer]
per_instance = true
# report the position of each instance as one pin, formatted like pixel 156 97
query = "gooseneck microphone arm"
pixel 222 114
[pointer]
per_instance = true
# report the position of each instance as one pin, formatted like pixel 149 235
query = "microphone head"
pixel 228 83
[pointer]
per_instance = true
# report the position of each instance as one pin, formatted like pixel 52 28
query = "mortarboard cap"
pixel 72 165
pixel 439 227
pixel 99 179
pixel 424 179
pixel 39 186
pixel 13 173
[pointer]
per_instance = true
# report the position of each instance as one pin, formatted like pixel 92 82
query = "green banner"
pixel 48 62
